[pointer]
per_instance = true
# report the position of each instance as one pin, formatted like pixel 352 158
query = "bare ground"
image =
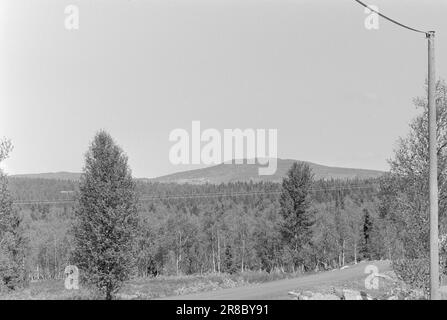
pixel 352 277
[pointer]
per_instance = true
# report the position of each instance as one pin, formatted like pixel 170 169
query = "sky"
pixel 338 93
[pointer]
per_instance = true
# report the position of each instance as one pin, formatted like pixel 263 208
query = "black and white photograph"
pixel 223 154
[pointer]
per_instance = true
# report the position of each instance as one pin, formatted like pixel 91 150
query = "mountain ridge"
pixel 60 175
pixel 231 172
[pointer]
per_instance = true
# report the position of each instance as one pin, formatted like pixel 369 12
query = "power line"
pixel 391 20
pixel 203 195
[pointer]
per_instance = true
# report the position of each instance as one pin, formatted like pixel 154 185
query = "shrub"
pixel 414 272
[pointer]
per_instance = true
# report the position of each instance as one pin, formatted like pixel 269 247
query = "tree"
pixel 341 227
pixel 295 210
pixel 228 262
pixel 325 237
pixel 367 235
pixel 13 273
pixel 179 234
pixel 106 218
pixel 408 208
pixel 266 237
pixel 411 163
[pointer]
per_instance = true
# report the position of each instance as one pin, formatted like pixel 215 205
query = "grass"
pixel 147 288
pixel 47 290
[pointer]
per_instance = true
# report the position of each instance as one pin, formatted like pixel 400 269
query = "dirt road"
pixel 279 289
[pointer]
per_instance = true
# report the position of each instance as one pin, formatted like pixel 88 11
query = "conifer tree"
pixel 296 213
pixel 367 230
pixel 106 218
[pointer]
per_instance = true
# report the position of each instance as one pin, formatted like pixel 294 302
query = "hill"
pixel 224 173
pixel 72 176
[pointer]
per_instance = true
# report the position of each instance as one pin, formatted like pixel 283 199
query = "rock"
pixel 308 295
pixel 338 293
pixel 366 296
pixel 416 294
pixel 334 294
pixel 295 295
pixel 124 296
pixel 323 296
pixel 355 295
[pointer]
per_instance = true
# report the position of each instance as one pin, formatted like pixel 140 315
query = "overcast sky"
pixel 338 94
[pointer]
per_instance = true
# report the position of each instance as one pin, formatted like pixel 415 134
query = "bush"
pixel 414 272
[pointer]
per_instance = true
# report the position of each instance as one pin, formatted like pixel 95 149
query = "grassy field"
pixel 146 288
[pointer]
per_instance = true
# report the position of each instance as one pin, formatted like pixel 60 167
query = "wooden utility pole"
pixel 433 152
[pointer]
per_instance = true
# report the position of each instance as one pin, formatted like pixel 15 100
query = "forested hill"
pixel 51 175
pixel 225 173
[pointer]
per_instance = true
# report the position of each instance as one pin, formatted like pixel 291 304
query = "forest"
pixel 188 229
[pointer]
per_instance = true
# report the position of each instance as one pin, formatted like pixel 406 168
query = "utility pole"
pixel 433 152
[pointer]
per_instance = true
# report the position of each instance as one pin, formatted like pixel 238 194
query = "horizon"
pixel 208 166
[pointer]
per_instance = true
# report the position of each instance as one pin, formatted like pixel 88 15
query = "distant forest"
pixel 188 229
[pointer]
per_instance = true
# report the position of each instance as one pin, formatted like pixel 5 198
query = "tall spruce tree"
pixel 106 218
pixel 296 213
pixel 367 231
pixel 13 245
